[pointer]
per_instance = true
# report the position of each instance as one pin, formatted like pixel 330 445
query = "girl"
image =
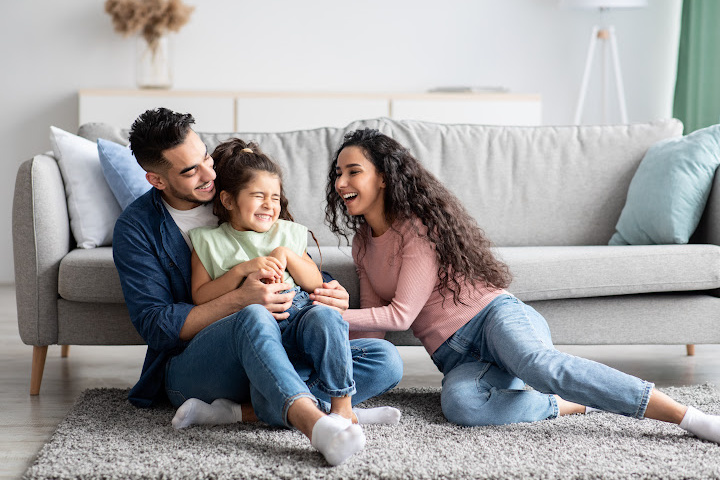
pixel 257 232
pixel 424 264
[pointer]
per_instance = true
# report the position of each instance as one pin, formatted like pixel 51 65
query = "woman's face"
pixel 257 206
pixel 360 186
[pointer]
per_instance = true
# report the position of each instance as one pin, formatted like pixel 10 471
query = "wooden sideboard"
pixel 229 111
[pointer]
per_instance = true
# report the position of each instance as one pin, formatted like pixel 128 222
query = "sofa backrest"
pixel 524 185
pixel 304 156
pixel 534 185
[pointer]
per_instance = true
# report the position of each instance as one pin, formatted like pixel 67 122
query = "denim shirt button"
pixel 172 264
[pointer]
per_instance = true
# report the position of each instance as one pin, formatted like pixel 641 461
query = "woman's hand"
pixel 333 295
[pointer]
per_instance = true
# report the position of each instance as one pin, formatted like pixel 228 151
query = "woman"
pixel 424 264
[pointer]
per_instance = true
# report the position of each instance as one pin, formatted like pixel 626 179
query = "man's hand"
pixel 333 295
pixel 254 290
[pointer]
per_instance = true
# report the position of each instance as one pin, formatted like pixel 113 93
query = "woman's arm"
pixel 416 281
pixel 302 268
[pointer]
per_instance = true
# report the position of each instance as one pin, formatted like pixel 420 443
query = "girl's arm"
pixel 205 289
pixel 416 281
pixel 302 268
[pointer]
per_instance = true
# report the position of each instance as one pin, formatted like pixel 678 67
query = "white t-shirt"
pixel 186 220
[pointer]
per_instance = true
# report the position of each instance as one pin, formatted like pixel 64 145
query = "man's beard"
pixel 187 198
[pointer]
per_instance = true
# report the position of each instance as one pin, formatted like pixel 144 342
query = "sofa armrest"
pixel 41 238
pixel 708 230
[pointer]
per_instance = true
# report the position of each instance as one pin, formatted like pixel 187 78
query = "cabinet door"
pixel 474 111
pixel 278 114
pixel 212 114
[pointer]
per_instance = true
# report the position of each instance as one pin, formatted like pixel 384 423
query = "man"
pixel 229 348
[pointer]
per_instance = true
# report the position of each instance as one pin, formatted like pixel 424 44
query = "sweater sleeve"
pixel 416 281
pixel 368 297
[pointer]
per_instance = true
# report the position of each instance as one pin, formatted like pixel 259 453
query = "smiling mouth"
pixel 349 196
pixel 262 217
pixel 206 186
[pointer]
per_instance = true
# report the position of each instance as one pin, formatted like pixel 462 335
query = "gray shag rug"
pixel 105 437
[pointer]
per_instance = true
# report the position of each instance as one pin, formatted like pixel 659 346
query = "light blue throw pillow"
pixel 668 193
pixel 122 172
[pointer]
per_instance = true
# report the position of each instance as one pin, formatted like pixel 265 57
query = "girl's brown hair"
pixel 236 164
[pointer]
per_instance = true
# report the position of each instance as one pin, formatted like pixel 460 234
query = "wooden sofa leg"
pixel 690 349
pixel 38 366
pixel 65 351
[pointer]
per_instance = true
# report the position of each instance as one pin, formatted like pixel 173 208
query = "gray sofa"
pixel 549 197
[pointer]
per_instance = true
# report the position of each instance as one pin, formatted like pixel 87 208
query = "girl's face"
pixel 359 184
pixel 257 206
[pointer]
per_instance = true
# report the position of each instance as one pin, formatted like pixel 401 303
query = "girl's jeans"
pixel 245 357
pixel 489 361
pixel 315 338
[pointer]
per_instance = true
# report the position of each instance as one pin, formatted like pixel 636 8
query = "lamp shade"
pixel 603 3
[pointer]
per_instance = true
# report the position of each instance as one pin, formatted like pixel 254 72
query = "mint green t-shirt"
pixel 221 248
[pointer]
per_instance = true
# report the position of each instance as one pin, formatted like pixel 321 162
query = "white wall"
pixel 51 49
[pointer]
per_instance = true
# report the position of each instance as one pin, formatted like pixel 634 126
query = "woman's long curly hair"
pixel 463 251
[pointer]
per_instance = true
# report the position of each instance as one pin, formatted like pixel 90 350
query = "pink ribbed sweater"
pixel 398 290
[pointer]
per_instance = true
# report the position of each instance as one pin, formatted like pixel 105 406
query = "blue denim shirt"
pixel 153 262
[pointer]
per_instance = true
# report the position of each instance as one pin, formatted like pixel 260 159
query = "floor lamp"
pixel 605 35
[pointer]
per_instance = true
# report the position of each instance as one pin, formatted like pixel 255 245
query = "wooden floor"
pixel 26 422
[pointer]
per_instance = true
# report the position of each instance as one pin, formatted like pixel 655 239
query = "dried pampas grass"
pixel 153 18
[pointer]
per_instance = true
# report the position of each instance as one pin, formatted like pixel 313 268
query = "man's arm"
pixel 205 289
pixel 252 291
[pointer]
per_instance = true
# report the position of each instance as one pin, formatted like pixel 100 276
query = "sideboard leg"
pixel 690 349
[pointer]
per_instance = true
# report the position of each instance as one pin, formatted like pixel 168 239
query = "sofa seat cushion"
pixel 89 275
pixel 547 273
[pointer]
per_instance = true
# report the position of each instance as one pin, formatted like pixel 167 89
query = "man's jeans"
pixel 244 357
pixel 489 361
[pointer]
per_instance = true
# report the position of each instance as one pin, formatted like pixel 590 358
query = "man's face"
pixel 189 181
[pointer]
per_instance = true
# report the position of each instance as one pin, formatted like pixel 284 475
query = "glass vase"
pixel 153 67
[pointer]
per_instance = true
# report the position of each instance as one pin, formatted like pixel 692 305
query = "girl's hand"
pixel 271 264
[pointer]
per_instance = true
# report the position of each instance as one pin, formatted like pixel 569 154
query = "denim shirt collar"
pixel 172 240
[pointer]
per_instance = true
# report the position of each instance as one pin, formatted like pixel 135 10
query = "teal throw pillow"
pixel 122 172
pixel 668 192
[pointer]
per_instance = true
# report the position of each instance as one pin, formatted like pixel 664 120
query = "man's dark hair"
pixel 155 131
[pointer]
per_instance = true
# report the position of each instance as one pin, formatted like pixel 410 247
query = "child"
pixel 424 264
pixel 256 232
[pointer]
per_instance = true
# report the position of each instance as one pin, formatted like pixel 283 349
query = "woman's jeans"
pixel 490 362
pixel 245 357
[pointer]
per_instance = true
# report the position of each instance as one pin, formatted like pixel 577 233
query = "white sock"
pixel 701 424
pixel 196 412
pixel 591 410
pixel 337 438
pixel 382 415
